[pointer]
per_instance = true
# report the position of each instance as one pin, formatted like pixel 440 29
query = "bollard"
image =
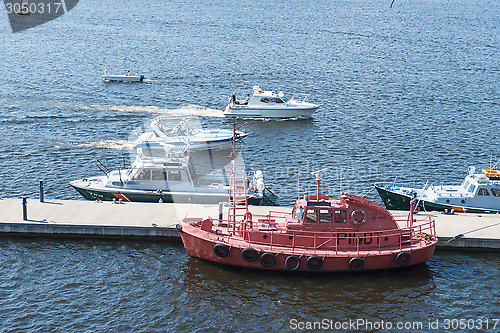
pixel 221 207
pixel 41 190
pixel 25 209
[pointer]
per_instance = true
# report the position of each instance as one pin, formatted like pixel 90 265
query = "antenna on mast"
pixel 317 175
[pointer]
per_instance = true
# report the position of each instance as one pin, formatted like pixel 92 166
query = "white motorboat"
pixel 122 78
pixel 185 137
pixel 270 104
pixel 171 178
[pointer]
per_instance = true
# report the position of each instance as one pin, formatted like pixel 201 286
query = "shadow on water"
pixel 198 272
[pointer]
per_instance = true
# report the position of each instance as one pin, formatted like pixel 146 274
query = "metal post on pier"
pixel 25 209
pixel 41 190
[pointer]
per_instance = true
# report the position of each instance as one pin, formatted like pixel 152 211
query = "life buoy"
pixel 403 258
pixel 249 254
pixel 314 262
pixel 356 264
pixel 267 259
pixel 221 250
pixel 358 217
pixel 292 263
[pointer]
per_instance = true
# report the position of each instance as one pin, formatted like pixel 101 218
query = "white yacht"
pixel 270 104
pixel 478 193
pixel 169 179
pixel 185 137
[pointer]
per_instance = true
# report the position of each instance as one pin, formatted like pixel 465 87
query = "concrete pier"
pixel 72 218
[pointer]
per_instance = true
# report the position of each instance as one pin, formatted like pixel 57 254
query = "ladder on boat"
pixel 238 202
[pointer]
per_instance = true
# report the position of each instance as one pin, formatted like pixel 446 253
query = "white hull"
pixel 204 139
pixel 123 78
pixel 257 112
pixel 192 145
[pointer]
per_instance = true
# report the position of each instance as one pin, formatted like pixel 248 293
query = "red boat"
pixel 322 234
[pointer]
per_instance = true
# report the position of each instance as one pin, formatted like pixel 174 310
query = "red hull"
pixel 200 244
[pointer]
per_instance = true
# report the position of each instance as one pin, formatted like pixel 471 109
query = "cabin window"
pixel 340 216
pixel 465 184
pixel 483 191
pixel 299 213
pixel 311 216
pixel 495 192
pixel 158 175
pixel 174 175
pixel 142 175
pixel 325 216
pixel 472 188
pixel 271 100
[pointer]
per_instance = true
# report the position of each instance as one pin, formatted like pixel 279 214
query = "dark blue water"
pixel 411 91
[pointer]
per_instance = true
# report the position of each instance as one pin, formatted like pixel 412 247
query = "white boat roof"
pixel 264 93
pixel 142 161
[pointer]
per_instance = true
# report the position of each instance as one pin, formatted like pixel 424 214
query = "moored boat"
pixel 270 104
pixel 321 234
pixel 478 193
pixel 184 136
pixel 169 179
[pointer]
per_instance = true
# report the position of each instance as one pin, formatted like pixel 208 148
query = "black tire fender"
pixel 314 262
pixel 290 264
pixel 221 250
pixel 249 254
pixel 356 264
pixel 267 256
pixel 403 258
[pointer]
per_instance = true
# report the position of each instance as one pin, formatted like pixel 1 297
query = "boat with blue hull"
pixel 478 193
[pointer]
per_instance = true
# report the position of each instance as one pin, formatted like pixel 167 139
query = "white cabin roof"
pixel 262 93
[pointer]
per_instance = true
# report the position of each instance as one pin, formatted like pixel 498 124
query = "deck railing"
pixel 422 231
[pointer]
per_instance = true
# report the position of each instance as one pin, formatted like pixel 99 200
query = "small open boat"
pixel 184 136
pixel 321 234
pixel 270 104
pixel 478 193
pixel 122 78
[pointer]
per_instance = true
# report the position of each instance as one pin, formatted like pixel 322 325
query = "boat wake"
pixel 186 110
pixel 196 110
pixel 101 144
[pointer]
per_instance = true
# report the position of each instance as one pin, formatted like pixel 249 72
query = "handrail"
pixel 417 234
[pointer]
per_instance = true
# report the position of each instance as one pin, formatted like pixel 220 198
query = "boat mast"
pixel 317 175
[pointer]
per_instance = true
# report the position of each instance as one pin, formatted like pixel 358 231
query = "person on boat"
pixel 106 72
pixel 247 100
pixel 233 98
pixel 181 130
pixel 129 73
